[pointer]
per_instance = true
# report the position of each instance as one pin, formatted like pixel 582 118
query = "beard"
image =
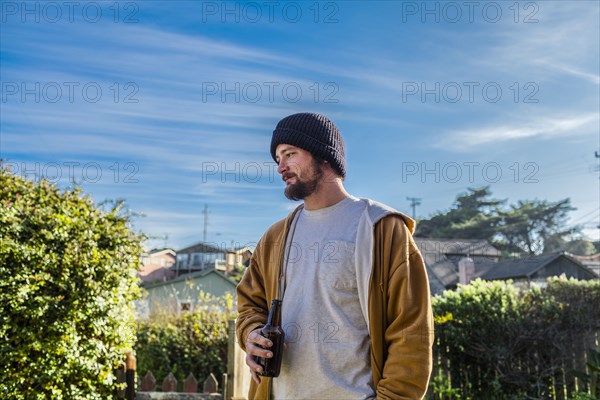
pixel 304 188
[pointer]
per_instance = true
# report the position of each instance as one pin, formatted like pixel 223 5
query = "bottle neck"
pixel 275 313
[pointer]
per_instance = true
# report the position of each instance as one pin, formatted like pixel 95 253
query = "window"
pixel 185 306
pixel 182 260
pixel 196 259
pixel 142 308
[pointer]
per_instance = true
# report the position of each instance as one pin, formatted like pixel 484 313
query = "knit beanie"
pixel 314 133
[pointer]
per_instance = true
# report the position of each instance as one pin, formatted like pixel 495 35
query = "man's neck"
pixel 330 192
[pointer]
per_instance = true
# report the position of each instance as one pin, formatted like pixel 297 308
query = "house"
pixel 442 258
pixel 157 265
pixel 450 262
pixel 591 262
pixel 235 258
pixel 537 269
pixel 199 257
pixel 184 293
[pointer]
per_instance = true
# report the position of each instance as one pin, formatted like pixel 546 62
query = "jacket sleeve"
pixel 251 299
pixel 407 324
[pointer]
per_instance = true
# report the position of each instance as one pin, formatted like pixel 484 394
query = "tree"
pixel 580 247
pixel 67 279
pixel 530 226
pixel 475 215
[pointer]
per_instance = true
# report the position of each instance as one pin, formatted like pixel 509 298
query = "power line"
pixel 594 220
pixel 585 215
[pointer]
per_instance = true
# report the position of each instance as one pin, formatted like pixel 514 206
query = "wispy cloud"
pixel 593 78
pixel 544 127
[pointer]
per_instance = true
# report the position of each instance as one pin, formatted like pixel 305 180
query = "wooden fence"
pixel 548 372
pixel 170 384
pixel 146 388
pixel 235 382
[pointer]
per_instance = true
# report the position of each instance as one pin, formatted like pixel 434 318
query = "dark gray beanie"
pixel 314 133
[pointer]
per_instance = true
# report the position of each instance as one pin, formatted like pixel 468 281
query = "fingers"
pixel 258 351
pixel 257 338
pixel 255 368
pixel 255 377
pixel 253 349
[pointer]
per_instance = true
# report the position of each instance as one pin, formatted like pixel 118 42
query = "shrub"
pixel 67 279
pixel 476 324
pixel 496 343
pixel 187 343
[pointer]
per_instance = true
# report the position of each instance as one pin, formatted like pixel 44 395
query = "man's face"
pixel 299 170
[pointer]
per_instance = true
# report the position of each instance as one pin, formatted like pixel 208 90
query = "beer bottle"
pixel 272 331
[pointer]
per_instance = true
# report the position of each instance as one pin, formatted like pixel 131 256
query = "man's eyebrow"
pixel 283 150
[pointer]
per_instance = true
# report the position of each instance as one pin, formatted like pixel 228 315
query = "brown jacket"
pixel 395 300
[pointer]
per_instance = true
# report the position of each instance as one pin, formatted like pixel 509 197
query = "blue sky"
pixel 171 105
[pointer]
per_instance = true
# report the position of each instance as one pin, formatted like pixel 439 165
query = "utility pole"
pixel 597 154
pixel 204 235
pixel 205 222
pixel 414 202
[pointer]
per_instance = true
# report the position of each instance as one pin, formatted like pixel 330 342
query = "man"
pixel 355 296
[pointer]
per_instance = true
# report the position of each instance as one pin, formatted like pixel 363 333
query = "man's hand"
pixel 253 349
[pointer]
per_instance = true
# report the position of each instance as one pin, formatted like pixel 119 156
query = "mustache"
pixel 287 175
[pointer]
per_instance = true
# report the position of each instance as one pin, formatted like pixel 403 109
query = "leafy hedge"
pixel 67 278
pixel 494 342
pixel 188 343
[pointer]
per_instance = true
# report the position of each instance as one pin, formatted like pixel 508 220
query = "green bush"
pixel 582 396
pixel 67 279
pixel 476 325
pixel 187 343
pixel 494 342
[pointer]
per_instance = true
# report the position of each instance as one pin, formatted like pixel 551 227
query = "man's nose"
pixel 281 166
